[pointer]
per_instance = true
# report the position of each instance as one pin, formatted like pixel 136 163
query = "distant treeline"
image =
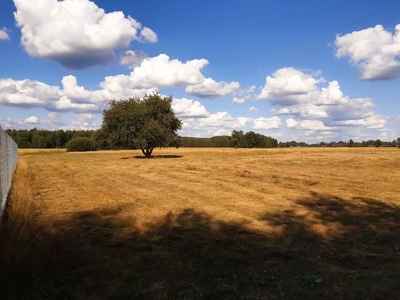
pixel 350 143
pixel 37 138
pixel 238 139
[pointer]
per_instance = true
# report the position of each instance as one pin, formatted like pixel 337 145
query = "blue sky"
pixel 294 70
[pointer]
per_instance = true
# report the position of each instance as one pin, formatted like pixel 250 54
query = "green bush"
pixel 80 144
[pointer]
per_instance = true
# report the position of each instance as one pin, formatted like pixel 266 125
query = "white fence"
pixel 8 163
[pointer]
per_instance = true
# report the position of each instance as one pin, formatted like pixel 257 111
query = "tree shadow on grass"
pixel 325 248
pixel 153 156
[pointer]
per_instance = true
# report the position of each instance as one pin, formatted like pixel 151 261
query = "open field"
pixel 298 223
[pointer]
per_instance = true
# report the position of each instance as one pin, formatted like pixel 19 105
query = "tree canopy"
pixel 141 123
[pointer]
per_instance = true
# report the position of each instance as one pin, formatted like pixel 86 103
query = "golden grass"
pixel 229 184
pixel 21 249
pixel 21 211
pixel 179 205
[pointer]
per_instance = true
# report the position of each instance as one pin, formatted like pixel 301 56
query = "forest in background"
pixel 38 138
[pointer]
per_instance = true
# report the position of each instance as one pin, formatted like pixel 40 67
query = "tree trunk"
pixel 147 152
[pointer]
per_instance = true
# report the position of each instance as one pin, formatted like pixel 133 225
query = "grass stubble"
pixel 203 224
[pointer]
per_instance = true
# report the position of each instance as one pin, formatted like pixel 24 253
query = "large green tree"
pixel 143 124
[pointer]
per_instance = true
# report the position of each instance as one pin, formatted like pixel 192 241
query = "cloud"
pixel 238 100
pixel 291 123
pixel 54 122
pixel 374 51
pixel 252 109
pixel 221 132
pixel 55 118
pixel 187 108
pixel 159 71
pixel 220 123
pixel 77 34
pixel 286 84
pixel 4 34
pixel 251 89
pixel 27 93
pixel 32 120
pixel 267 123
pixel 209 88
pixel 74 92
pixel 9 123
pixel 371 122
pixel 148 77
pixel 313 108
pixel 35 94
pixel 148 35
pixel 132 58
pixel 242 95
pixel 84 121
pixel 306 110
pixel 75 98
pixel 66 104
pixel 313 125
pixel 223 120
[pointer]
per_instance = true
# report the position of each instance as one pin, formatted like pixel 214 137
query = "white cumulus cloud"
pixel 252 109
pixel 371 122
pixel 132 58
pixel 267 123
pixel 34 94
pixel 187 108
pixel 75 33
pixel 32 120
pixel 238 100
pixel 219 123
pixel 74 92
pixel 4 34
pixel 291 123
pixel 374 51
pixel 313 108
pixel 160 71
pixel 223 120
pixel 148 35
pixel 209 88
pixel 286 84
pixel 27 93
pixel 313 125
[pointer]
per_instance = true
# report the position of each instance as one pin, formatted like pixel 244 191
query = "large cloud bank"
pixel 374 51
pixel 314 106
pixel 76 33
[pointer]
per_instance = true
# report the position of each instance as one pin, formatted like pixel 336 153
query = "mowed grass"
pixel 294 223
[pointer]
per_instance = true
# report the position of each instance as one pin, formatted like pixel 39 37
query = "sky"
pixel 306 70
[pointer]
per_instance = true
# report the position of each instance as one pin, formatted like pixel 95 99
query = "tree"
pixel 237 138
pixel 378 143
pixel 254 140
pixel 142 123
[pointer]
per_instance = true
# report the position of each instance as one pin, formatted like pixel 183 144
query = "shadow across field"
pixel 153 156
pixel 324 248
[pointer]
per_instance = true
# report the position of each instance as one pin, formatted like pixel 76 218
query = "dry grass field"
pixel 294 223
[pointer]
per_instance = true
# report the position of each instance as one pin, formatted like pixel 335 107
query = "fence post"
pixel 8 163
